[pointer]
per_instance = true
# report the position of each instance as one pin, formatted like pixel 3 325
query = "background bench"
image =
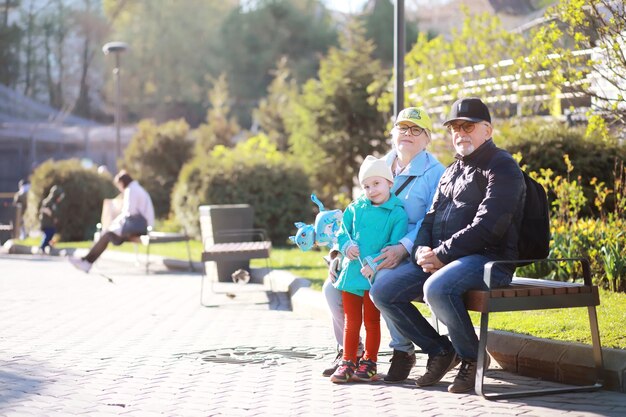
pixel 536 294
pixel 154 237
pixel 242 245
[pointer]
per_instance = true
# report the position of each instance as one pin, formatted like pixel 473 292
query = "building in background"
pixel 31 133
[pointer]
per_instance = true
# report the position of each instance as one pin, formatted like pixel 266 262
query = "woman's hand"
pixel 391 256
pixel 333 268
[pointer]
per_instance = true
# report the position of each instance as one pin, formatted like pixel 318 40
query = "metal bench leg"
pixel 434 321
pixel 191 268
pixel 597 347
pixel 202 287
pixel 482 351
pixel 205 276
pixel 137 261
pixel 148 258
pixel 268 265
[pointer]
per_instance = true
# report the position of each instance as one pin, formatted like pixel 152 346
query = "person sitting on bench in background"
pixel 136 216
pixel 474 219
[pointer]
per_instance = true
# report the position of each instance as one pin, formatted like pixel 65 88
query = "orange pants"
pixel 357 310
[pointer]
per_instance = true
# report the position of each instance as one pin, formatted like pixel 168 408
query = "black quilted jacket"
pixel 477 207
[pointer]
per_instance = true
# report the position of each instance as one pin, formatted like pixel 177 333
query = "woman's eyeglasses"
pixel 415 130
pixel 467 127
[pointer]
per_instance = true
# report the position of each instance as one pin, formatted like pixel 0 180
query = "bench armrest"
pixel 584 262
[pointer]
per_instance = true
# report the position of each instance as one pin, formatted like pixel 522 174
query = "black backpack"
pixel 534 238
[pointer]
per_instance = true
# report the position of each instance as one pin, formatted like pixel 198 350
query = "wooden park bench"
pixel 535 294
pixel 242 245
pixel 111 207
pixel 154 237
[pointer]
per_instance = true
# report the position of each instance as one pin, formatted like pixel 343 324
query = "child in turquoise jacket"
pixel 373 221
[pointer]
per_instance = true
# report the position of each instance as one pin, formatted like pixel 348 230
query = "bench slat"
pixel 236 251
pixel 537 298
pixel 161 237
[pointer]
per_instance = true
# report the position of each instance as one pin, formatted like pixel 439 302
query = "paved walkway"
pixel 77 344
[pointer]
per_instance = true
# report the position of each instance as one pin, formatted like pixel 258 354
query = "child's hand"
pixel 353 252
pixel 367 272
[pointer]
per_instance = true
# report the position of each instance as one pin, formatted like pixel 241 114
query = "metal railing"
pixel 514 88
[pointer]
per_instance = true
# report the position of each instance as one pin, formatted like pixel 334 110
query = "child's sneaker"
pixel 344 372
pixel 367 371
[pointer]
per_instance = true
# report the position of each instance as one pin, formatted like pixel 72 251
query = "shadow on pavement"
pixel 17 386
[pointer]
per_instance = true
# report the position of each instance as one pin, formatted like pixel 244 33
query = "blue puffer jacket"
pixel 418 195
pixel 477 207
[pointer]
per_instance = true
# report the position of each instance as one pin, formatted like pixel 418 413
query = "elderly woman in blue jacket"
pixel 372 222
pixel 416 173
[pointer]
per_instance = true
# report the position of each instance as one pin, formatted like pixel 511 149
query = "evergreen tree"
pixel 279 102
pixel 10 38
pixel 255 38
pixel 336 123
pixel 379 25
pixel 174 52
pixel 220 128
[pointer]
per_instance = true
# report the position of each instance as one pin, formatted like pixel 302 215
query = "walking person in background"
pixel 416 173
pixel 20 200
pixel 49 216
pixel 475 218
pixel 136 217
pixel 375 220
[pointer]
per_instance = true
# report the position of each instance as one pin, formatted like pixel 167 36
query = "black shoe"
pixel 466 378
pixel 401 365
pixel 334 365
pixel 436 367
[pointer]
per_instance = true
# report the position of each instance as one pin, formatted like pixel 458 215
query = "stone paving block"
pixel 146 343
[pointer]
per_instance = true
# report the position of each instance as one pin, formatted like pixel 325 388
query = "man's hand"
pixel 428 260
pixel 391 256
pixel 367 272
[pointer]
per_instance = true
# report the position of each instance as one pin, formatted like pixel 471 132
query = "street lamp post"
pixel 116 48
pixel 398 57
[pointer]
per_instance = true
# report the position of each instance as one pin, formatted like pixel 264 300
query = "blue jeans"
pixel 443 291
pixel 48 234
pixel 335 304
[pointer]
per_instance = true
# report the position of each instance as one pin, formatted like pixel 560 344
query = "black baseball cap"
pixel 471 109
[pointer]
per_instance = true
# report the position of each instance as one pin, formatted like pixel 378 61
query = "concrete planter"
pixel 552 360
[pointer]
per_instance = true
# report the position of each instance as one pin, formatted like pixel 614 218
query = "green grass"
pixel 309 265
pixel 561 324
pixel 569 324
pixel 176 250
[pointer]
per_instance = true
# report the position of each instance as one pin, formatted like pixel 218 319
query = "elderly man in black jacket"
pixel 475 218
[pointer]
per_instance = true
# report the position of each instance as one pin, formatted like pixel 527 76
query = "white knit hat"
pixel 374 167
